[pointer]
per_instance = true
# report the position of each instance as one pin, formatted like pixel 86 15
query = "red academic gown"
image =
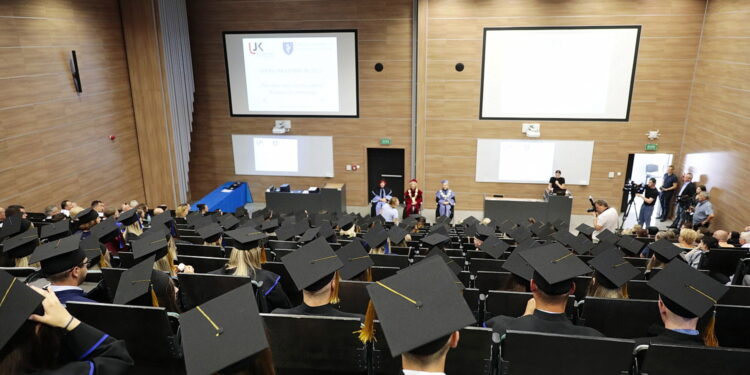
pixel 413 205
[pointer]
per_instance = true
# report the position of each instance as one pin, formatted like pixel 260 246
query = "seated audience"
pixel 695 257
pixel 65 266
pixel 611 275
pixel 182 211
pixel 745 239
pixel 66 206
pixel 50 211
pixel 722 237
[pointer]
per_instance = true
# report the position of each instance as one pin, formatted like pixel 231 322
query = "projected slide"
pixel 295 73
pixel 291 74
pixel 558 73
pixel 275 155
pixel 526 161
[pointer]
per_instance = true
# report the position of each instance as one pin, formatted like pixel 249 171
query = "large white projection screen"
pixel 533 161
pixel 286 155
pixel 559 73
pixel 301 73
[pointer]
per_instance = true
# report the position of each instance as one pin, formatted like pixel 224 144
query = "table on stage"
pixel 225 199
pixel 331 197
pixel 550 209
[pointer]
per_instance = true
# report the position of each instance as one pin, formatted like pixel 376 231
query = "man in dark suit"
pixel 684 198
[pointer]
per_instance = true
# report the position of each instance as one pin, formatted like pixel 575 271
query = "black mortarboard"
pixel 86 216
pixel 378 225
pixel 240 212
pixel 326 231
pixel 397 234
pixel 259 213
pixel 685 291
pixel 506 226
pixel 585 229
pixel 664 250
pixel 311 263
pixel 300 227
pixel 428 259
pixel 12 225
pixel 630 244
pixel 196 220
pixel 419 306
pixel 154 241
pixel 546 230
pixel 614 271
pixel 484 231
pixel 55 231
pixel 564 237
pixel 228 221
pixel 554 264
pixel 518 266
pixel 22 244
pixel 443 219
pixel 435 239
pixel 375 238
pixel 536 227
pixel 285 232
pixel 365 221
pixel 469 221
pixel 454 267
pixel 601 247
pixel 210 232
pixel 440 228
pixel 581 244
pixel 470 230
pixel 607 236
pixel 309 235
pixel 17 304
pixel 494 246
pixel 165 219
pixel 59 255
pixel 215 337
pixel 519 234
pixel 269 225
pixel 92 248
pixel 128 217
pixel 355 260
pixel 246 238
pixel 345 222
pixel 107 230
pixel 135 282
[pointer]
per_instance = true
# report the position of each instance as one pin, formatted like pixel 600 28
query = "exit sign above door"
pixel 385 141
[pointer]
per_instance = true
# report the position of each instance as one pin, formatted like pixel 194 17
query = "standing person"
pixel 412 199
pixel 704 211
pixel 556 183
pixel 668 188
pixel 446 201
pixel 389 211
pixel 380 196
pixel 684 199
pixel 649 201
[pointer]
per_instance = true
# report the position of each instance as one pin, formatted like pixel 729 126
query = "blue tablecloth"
pixel 226 201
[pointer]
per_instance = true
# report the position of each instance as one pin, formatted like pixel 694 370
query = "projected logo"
pixel 255 47
pixel 288 47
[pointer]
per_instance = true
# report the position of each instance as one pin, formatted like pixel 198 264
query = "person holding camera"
pixel 605 217
pixel 684 199
pixel 649 196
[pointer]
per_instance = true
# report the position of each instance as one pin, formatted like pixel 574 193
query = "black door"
pixel 386 164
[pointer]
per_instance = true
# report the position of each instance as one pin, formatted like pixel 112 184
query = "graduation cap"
pixel 494 246
pixel 418 308
pixel 581 244
pixel 86 216
pixel 240 212
pixel 556 266
pixel 685 291
pixel 327 232
pixel 215 337
pixel 17 304
pixel 211 232
pixel 22 244
pixel 197 220
pixel 107 230
pixel 506 226
pixel 55 231
pixel 518 266
pixel 519 234
pixel 564 237
pixel 438 252
pixel 377 225
pixel 546 230
pixel 601 247
pixel 246 238
pixel 135 283
pixel 286 232
pixel 630 244
pixel 269 225
pixel 397 234
pixel 585 229
pixel 300 227
pixel 607 236
pixel 129 217
pixel 355 260
pixel 309 235
pixel 613 271
pixel 154 241
pixel 664 250
pixel 259 213
pixel 470 231
pixel 312 265
pixel 228 221
pixel 375 238
pixel 469 221
pixel 536 227
pixel 345 222
pixel 12 225
pixel 560 224
pixel 365 221
pixel 321 219
pixel 435 239
pixel 426 260
pixel 165 219
pixel 483 232
pixel 443 219
pixel 59 255
pixel 440 228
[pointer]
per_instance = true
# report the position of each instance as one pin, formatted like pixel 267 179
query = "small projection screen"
pixel 286 155
pixel 292 74
pixel 570 73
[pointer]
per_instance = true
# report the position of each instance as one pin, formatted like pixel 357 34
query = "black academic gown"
pixel 661 335
pixel 90 351
pixel 327 310
pixel 540 322
pixel 271 287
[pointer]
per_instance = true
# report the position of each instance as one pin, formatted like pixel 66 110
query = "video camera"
pixel 593 206
pixel 633 188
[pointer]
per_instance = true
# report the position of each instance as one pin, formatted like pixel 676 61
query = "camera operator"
pixel 668 188
pixel 605 217
pixel 649 196
pixel 684 199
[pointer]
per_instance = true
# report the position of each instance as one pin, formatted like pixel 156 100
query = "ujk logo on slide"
pixel 255 47
pixel 288 47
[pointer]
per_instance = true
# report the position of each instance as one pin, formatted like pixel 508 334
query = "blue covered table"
pixel 226 200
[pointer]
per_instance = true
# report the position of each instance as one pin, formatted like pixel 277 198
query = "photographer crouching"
pixel 605 217
pixel 649 195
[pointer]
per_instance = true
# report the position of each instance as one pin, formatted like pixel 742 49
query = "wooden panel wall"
pixel 717 138
pixel 385 97
pixel 54 143
pixel 447 146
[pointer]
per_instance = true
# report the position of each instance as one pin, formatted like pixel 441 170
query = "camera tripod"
pixel 631 206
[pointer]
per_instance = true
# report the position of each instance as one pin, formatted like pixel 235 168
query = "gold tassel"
pixel 368 274
pixel 335 290
pixel 154 300
pixel 709 333
pixel 625 291
pixel 263 258
pixel 367 332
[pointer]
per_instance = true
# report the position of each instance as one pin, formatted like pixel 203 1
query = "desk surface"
pixel 514 199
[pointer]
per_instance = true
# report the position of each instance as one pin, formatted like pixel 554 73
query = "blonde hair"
pixel 596 289
pixel 166 263
pixel 182 210
pixel 352 232
pixel 75 211
pixel 654 263
pixel 22 262
pixel 688 236
pixel 134 228
pixel 245 262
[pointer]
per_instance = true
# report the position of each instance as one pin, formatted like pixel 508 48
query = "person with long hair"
pixel 182 211
pixel 412 199
pixel 611 275
pixel 131 225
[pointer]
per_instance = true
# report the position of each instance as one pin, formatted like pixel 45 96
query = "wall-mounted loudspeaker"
pixel 74 71
pixel 378 67
pixel 459 67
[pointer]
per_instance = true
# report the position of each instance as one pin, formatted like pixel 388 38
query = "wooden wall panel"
pixel 717 138
pixel 671 31
pixel 385 97
pixel 54 143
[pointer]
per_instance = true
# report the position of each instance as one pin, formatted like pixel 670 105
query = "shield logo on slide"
pixel 288 47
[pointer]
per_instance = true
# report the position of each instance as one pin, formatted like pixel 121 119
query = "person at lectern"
pixel 556 183
pixel 446 201
pixel 412 199
pixel 380 196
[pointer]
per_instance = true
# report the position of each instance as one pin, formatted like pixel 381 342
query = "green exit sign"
pixel 385 141
pixel 652 147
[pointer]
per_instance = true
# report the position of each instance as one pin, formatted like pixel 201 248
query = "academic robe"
pixel 413 205
pixel 377 195
pixel 75 295
pixel 326 310
pixel 445 209
pixel 540 321
pixel 661 335
pixel 271 287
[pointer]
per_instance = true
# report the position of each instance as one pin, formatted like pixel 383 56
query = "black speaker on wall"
pixel 74 71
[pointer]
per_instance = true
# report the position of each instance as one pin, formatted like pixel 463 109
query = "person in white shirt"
pixel 389 211
pixel 745 239
pixel 605 217
pixel 65 207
